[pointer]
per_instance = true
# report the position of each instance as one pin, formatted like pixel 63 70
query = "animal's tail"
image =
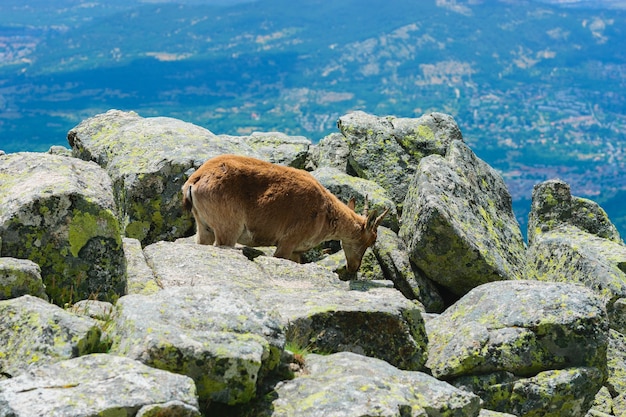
pixel 187 197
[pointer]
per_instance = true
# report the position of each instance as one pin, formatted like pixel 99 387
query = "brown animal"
pixel 256 203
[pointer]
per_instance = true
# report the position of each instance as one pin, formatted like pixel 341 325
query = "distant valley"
pixel 536 87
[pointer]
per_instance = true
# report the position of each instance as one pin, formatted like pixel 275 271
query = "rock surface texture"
pixel 451 314
pixel 59 212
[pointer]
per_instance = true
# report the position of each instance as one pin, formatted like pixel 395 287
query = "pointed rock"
pixel 553 206
pixel 458 222
pixel 386 150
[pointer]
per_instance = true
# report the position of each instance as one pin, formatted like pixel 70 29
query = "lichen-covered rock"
pixel 149 160
pixel 387 150
pixel 616 363
pixel 35 332
pixel 394 260
pixel 139 276
pixel 569 254
pixel 346 384
pixel 224 343
pixel 99 310
pixel 558 393
pixel 20 277
pixel 553 206
pixel 331 151
pixel 277 148
pixel 318 309
pixel 521 327
pixel 346 187
pixel 98 385
pixel 59 213
pixel 458 222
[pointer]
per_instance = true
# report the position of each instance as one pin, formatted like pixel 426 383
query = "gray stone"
pixel 98 385
pixel 568 254
pixel 387 150
pixel 553 206
pixel 346 384
pixel 559 393
pixel 277 148
pixel 98 310
pixel 20 277
pixel 317 308
pixel 521 327
pixel 331 151
pixel 458 222
pixel 35 332
pixel 59 212
pixel 148 160
pixel 345 187
pixel 139 276
pixel 616 363
pixel 224 343
pixel 409 280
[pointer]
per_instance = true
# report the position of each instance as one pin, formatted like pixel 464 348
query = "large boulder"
pixel 568 254
pixel 347 384
pixel 458 222
pixel 276 147
pixel 387 150
pixel 223 319
pixel 311 303
pixel 225 343
pixel 507 340
pixel 59 212
pixel 35 332
pixel 149 159
pixel 20 277
pixel 553 206
pixel 98 385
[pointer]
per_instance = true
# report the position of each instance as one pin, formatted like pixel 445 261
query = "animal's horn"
pixel 374 223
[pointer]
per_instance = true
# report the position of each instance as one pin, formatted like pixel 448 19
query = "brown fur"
pixel 256 203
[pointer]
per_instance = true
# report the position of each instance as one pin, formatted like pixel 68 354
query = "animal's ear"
pixel 351 203
pixel 373 222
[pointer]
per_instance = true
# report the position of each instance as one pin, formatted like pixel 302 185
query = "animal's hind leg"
pixel 204 234
pixel 227 236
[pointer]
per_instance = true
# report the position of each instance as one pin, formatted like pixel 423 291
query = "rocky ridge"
pixel 451 315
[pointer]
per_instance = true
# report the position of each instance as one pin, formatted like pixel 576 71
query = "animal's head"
pixel 354 249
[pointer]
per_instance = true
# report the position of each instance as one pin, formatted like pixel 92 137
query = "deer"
pixel 240 199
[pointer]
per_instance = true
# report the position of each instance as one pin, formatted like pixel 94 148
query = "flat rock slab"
pixel 346 384
pixel 98 384
pixel 222 319
pixel 59 212
pixel 35 332
pixel 317 308
pixel 224 342
pixel 458 222
pixel 521 327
